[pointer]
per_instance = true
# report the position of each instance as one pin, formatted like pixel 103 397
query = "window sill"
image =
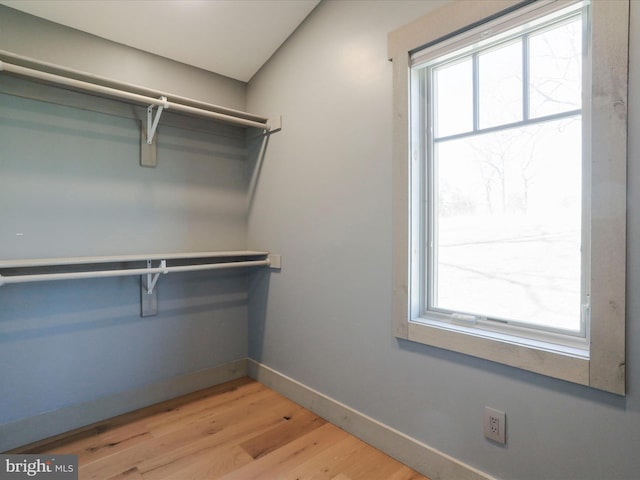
pixel 565 363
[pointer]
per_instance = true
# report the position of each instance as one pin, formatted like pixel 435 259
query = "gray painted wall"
pixel 71 185
pixel 324 202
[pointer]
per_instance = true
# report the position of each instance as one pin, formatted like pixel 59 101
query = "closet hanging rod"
pixel 62 261
pixel 131 96
pixel 4 280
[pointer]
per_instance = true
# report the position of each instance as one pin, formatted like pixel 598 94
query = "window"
pixel 509 185
pixel 499 207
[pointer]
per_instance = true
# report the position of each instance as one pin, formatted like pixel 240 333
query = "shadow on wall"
pixel 523 376
pixel 256 152
pixel 258 297
pixel 42 310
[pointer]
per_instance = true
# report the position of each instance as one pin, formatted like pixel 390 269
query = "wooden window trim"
pixel 604 367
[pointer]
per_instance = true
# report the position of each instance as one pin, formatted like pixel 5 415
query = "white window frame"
pixel 601 363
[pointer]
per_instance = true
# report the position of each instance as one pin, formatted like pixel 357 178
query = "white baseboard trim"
pixel 31 429
pixel 413 453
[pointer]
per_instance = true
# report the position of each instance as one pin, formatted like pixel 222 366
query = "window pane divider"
pixel 525 77
pixel 476 91
pixel 507 126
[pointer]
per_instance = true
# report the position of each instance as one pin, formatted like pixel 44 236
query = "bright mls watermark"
pixel 50 467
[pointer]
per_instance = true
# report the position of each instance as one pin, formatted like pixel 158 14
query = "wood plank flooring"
pixel 238 430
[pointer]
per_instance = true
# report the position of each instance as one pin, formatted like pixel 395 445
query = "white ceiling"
pixel 230 37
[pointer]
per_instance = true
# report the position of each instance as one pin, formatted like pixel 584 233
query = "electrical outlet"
pixel 495 425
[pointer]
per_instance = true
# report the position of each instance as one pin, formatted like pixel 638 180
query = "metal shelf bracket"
pixel 148 291
pixel 148 144
pixel 152 123
pixel 152 279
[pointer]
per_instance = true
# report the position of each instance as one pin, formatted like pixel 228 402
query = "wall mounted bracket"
pixel 275 124
pixel 148 151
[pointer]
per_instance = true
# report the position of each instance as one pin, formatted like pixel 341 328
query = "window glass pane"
pixel 453 86
pixel 507 242
pixel 500 85
pixel 556 70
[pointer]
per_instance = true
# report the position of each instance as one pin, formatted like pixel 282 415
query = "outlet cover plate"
pixel 495 425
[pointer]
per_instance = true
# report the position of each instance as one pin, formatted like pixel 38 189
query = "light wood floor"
pixel 239 430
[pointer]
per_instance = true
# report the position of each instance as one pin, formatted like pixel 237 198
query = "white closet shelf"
pixel 156 101
pixel 61 261
pixel 70 268
pixel 127 92
pixel 186 262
